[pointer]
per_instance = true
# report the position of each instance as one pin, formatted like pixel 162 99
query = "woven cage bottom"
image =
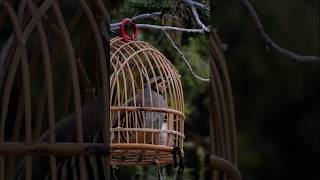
pixel 140 154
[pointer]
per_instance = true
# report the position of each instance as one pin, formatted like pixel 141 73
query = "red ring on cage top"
pixel 123 34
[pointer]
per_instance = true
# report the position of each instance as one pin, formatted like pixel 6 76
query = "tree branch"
pixel 184 58
pixel 170 28
pixel 193 5
pixel 196 16
pixel 116 26
pixel 146 16
pixel 253 14
pixel 138 17
pixel 196 4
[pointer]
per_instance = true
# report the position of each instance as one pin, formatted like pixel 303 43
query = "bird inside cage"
pixel 92 119
pixel 152 95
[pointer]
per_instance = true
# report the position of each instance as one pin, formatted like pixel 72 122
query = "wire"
pixel 159 173
pixel 114 172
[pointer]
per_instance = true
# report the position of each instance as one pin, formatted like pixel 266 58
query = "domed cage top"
pixel 146 103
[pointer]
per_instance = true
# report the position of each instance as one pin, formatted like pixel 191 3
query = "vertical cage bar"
pixel 170 128
pixel 49 87
pixel 26 86
pixel 75 84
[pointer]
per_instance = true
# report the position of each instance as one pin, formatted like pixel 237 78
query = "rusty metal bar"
pixel 57 149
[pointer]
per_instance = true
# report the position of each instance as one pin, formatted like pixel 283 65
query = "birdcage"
pixel 146 103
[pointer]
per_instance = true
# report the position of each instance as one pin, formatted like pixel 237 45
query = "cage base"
pixel 134 154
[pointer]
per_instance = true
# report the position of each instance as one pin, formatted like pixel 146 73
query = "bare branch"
pixel 196 4
pixel 193 5
pixel 196 16
pixel 158 27
pixel 170 28
pixel 147 16
pixel 139 17
pixel 184 58
pixel 116 26
pixel 252 13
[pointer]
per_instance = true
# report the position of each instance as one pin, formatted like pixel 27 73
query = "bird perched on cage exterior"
pixel 152 95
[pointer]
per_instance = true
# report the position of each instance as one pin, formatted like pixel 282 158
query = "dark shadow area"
pixel 276 98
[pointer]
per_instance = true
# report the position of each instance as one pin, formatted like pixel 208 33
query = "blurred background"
pixel 277 100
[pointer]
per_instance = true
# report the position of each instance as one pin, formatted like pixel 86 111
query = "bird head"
pixel 159 84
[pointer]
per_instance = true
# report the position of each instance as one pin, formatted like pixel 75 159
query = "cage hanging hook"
pixel 123 34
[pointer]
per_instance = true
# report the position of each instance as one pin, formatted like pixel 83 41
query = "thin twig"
pixel 184 58
pixel 196 16
pixel 170 28
pixel 114 173
pixel 196 4
pixel 147 16
pixel 253 14
pixel 158 27
pixel 139 17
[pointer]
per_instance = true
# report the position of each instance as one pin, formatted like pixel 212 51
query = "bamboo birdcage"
pixel 133 65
